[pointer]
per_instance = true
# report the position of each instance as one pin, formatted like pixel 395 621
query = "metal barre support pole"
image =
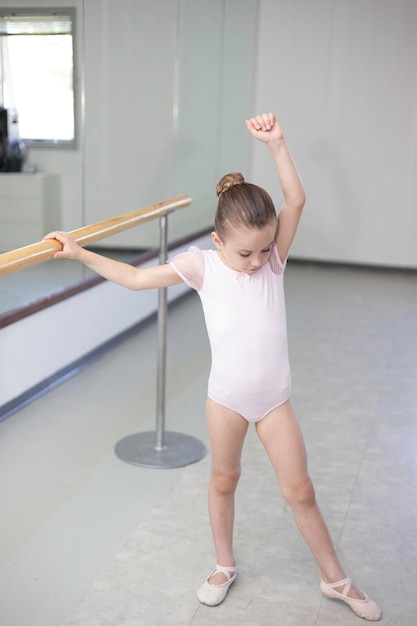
pixel 160 449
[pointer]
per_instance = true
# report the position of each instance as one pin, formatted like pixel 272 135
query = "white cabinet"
pixel 29 208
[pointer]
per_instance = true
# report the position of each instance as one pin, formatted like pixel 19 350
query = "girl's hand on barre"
pixel 70 248
pixel 118 272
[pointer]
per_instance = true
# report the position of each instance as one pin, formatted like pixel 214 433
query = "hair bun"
pixel 228 181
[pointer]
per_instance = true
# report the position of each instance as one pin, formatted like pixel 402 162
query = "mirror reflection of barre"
pixel 12 149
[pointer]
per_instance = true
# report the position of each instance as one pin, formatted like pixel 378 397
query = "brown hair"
pixel 241 204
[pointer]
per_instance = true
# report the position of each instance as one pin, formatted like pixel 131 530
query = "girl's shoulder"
pixel 190 266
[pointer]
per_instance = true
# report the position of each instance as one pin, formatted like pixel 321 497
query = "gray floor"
pixel 87 539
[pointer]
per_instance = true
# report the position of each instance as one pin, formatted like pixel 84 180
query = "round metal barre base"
pixel 178 450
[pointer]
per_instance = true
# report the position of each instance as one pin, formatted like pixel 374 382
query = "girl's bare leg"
pixel 227 431
pixel 281 436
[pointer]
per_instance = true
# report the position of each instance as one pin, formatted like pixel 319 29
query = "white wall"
pixel 342 76
pixel 216 75
pixel 130 53
pixel 163 81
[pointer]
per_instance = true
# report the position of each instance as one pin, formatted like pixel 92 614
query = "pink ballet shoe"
pixel 212 595
pixel 365 608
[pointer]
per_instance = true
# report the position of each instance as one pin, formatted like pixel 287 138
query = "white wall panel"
pixel 130 57
pixel 342 76
pixel 217 44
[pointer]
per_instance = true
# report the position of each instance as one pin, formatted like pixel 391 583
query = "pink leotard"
pixel 246 325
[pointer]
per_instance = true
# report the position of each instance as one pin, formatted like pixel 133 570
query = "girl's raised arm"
pixel 266 128
pixel 121 273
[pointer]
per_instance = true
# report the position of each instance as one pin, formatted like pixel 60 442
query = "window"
pixel 37 73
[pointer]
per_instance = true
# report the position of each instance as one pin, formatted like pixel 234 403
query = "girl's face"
pixel 246 249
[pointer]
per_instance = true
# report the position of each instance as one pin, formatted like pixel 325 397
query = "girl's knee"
pixel 301 493
pixel 225 482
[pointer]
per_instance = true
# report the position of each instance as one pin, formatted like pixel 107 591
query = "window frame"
pixel 51 11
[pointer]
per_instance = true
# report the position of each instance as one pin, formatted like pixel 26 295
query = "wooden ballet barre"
pixel 36 253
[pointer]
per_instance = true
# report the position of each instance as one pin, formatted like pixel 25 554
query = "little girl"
pixel 240 284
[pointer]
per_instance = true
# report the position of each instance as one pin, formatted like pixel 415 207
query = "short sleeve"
pixel 275 262
pixel 190 267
